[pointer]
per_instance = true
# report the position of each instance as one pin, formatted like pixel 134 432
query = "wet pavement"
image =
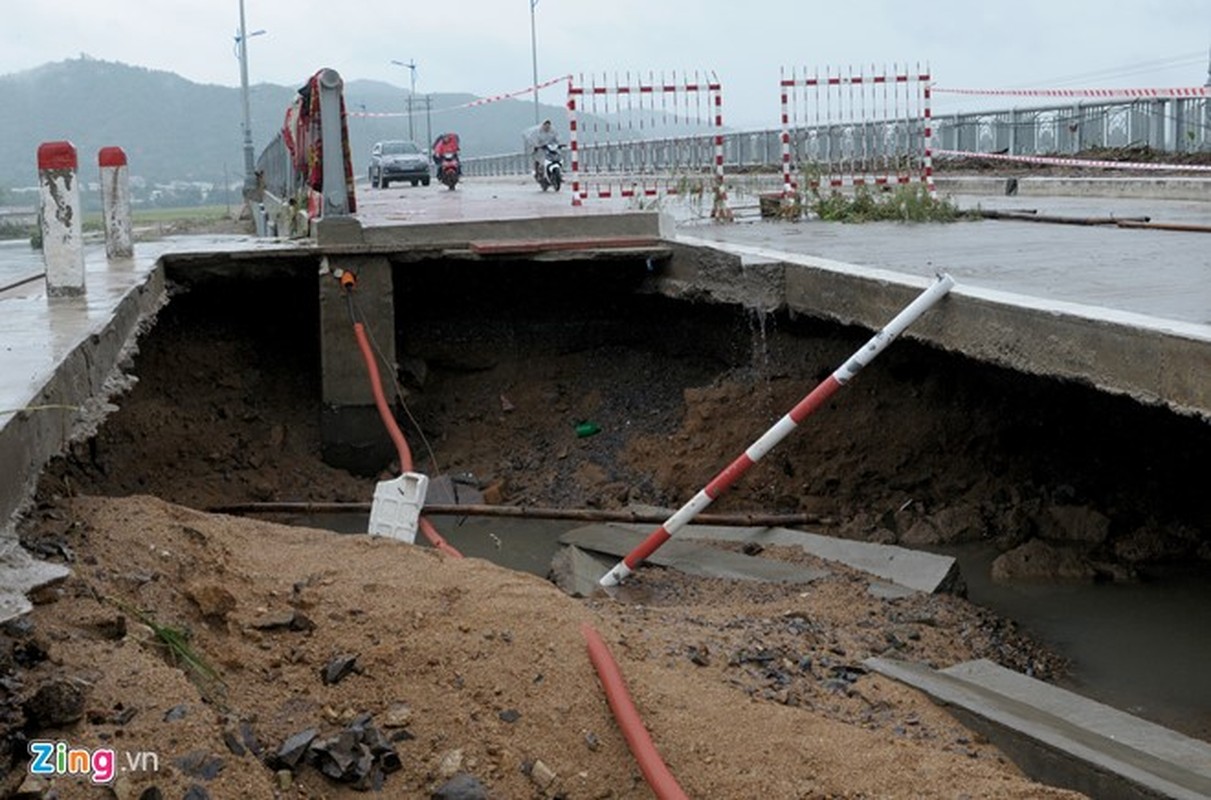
pixel 1158 273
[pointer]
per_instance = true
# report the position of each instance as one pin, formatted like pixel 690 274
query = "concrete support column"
pixel 59 214
pixel 115 202
pixel 352 434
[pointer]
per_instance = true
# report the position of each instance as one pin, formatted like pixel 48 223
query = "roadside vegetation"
pixel 147 223
pixel 902 204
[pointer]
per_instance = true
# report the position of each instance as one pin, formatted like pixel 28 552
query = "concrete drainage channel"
pixel 575 386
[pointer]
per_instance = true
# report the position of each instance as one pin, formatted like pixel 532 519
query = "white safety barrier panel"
pixel 870 128
pixel 647 137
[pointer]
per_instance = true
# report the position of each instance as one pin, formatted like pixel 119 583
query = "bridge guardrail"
pixel 1170 125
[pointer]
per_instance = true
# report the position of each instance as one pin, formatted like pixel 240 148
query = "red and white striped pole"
pixel 786 135
pixel 781 429
pixel 720 211
pixel 574 137
pixel 928 117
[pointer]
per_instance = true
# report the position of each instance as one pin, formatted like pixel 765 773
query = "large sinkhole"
pixel 1093 505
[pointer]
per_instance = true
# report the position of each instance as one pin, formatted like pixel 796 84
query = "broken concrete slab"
pixel 693 559
pixel 913 569
pixel 445 490
pixel 1060 738
pixel 576 571
pixel 20 574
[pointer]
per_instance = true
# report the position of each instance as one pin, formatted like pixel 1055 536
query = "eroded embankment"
pixel 501 362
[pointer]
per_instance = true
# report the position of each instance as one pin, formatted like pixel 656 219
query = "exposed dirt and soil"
pixel 470 669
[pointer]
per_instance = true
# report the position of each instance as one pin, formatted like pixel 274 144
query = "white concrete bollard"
pixel 62 228
pixel 115 202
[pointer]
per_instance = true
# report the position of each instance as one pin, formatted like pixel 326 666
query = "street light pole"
pixel 534 57
pixel 411 95
pixel 249 159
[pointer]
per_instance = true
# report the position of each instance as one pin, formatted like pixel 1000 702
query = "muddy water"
pixel 1144 648
pixel 522 545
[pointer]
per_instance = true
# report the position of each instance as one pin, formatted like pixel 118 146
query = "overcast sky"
pixel 483 46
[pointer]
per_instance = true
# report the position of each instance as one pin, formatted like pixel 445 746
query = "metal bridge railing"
pixel 1176 125
pixel 303 173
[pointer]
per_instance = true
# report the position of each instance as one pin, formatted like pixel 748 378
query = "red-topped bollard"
pixel 115 202
pixel 62 229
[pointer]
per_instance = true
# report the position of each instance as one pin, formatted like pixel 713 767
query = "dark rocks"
pixel 57 702
pixel 248 737
pixel 200 764
pixel 1039 561
pixel 510 715
pixel 359 754
pixel 292 750
pixel 461 787
pixel 233 744
pixel 1067 523
pixel 1154 542
pixel 120 715
pixel 176 712
pixel 958 523
pixel 338 668
pixel 699 655
pixel 292 620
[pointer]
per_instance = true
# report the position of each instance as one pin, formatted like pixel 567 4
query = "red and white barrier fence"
pixel 1079 162
pixel 781 429
pixel 835 112
pixel 1143 94
pixel 631 120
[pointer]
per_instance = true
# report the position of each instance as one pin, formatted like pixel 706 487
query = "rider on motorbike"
pixel 446 144
pixel 538 139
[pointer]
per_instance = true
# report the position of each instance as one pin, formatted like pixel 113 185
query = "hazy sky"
pixel 483 46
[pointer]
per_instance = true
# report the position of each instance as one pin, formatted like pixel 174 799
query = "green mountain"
pixel 175 130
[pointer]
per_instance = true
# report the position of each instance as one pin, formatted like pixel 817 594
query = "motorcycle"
pixel 449 170
pixel 551 174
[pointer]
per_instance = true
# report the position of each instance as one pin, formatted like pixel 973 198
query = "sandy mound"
pixel 464 667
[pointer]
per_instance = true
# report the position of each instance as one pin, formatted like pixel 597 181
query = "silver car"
pixel 398 161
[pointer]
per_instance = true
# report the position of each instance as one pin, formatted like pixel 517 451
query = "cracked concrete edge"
pixel 1068 741
pixel 1034 336
pixel 87 377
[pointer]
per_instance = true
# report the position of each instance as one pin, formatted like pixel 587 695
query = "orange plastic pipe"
pixel 654 770
pixel 397 436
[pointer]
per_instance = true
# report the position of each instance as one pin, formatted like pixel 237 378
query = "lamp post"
pixel 411 94
pixel 241 41
pixel 534 58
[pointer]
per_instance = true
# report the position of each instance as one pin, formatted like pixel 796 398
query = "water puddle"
pixel 1144 648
